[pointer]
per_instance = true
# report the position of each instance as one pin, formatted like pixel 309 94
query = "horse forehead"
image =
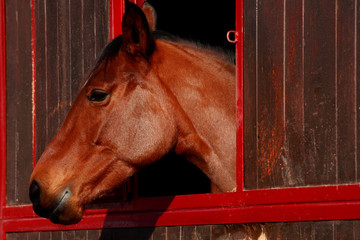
pixel 115 71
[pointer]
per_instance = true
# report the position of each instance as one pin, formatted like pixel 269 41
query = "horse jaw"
pixel 198 151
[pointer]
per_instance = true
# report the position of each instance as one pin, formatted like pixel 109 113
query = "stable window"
pixel 297 115
pixel 173 175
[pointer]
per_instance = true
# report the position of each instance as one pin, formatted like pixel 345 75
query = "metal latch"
pixel 232 36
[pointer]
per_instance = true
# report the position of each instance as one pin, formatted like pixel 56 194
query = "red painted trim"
pixel 138 2
pixel 2 231
pixel 248 214
pixel 2 109
pixel 268 197
pixel 239 95
pixel 117 9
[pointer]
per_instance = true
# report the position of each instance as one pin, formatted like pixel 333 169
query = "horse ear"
pixel 150 15
pixel 137 39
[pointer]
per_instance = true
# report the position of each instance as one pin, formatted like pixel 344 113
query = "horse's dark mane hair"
pixel 226 54
pixel 112 49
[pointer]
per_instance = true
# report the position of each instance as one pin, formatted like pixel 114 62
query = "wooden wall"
pixel 301 102
pixel 68 36
pixel 205 232
pixel 327 230
pixel 301 93
pixel 19 100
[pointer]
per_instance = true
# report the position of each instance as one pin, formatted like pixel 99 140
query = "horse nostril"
pixel 34 192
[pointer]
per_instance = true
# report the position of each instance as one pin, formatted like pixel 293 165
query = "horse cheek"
pixel 152 138
pixel 157 137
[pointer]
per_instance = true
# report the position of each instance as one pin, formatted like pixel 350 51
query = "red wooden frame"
pixel 2 118
pixel 267 205
pixel 116 10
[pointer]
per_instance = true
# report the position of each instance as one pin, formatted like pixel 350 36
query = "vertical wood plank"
pixel 40 75
pixel 346 92
pixel 19 104
pixel 52 76
pixel 68 235
pixel 188 232
pixel 270 93
pixel 101 17
pixel 344 230
pixel 24 111
pixel 324 230
pixel 64 42
pixel 203 232
pixel 307 231
pixel 56 235
pixel 173 232
pixel 159 233
pixel 11 126
pixel 289 231
pixel 294 100
pixel 93 234
pixel 80 235
pixel 357 87
pixel 88 36
pixel 319 92
pixel 356 231
pixel 45 236
pixel 76 49
pixel 250 97
pixel 33 236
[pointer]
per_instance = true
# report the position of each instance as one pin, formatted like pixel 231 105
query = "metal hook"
pixel 236 36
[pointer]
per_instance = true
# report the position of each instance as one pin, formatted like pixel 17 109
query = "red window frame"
pixel 243 206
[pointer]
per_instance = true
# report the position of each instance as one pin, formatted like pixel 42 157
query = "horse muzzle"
pixel 59 210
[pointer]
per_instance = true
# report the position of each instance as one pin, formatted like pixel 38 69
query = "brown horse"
pixel 145 96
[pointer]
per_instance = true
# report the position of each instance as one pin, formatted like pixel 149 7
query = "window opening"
pixel 193 21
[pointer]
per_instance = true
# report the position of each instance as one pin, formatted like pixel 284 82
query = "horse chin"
pixel 67 212
pixel 67 216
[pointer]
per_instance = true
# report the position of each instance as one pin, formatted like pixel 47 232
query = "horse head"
pixel 119 123
pixel 123 119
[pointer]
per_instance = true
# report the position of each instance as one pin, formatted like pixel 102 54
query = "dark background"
pixel 205 22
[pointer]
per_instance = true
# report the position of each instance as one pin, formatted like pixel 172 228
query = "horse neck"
pixel 203 86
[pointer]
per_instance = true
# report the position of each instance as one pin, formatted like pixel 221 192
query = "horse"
pixel 146 95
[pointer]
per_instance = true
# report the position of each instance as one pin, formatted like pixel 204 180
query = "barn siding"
pixel 322 230
pixel 19 100
pixel 233 231
pixel 310 104
pixel 300 80
pixel 68 35
pixel 346 93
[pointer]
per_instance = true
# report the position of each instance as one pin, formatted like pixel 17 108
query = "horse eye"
pixel 97 95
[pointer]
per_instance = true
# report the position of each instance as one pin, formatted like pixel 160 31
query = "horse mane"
pixel 109 52
pixel 112 49
pixel 224 54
